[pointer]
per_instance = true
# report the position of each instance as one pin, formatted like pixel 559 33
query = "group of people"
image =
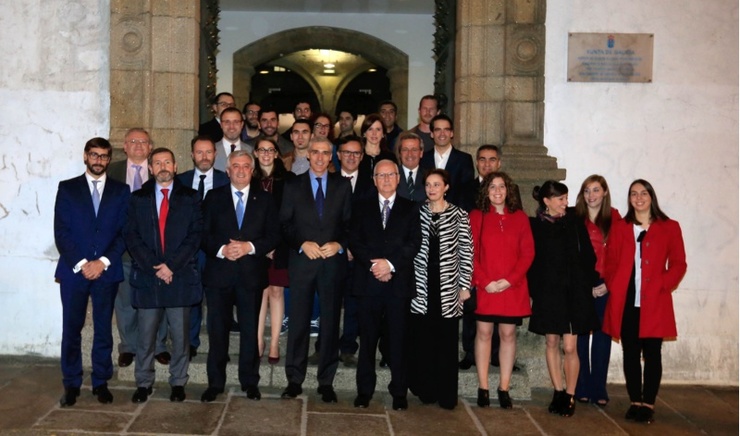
pixel 402 237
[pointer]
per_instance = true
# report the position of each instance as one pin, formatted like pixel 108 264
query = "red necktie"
pixel 164 208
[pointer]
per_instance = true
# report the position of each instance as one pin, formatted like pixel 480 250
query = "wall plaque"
pixel 610 57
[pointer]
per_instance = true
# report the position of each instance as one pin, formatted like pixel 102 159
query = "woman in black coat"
pixel 561 280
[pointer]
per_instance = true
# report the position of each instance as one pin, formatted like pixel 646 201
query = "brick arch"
pixel 371 48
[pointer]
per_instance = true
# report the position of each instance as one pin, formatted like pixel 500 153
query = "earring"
pixel 547 210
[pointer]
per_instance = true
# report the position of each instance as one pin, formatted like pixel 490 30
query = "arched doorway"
pixel 374 50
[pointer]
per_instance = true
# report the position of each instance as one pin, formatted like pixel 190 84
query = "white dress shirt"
pixel 440 160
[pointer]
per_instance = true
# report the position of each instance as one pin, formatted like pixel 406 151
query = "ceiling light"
pixel 329 65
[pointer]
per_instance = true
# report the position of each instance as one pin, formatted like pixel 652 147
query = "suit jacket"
pixel 299 218
pixel 117 171
pixel 398 242
pixel 259 226
pixel 460 167
pixel 420 194
pixel 79 234
pixel 470 191
pixel 182 240
pixel 221 156
pixel 213 129
pixel 364 189
pixel 219 178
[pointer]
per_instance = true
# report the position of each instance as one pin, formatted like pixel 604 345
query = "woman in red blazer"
pixel 504 249
pixel 645 263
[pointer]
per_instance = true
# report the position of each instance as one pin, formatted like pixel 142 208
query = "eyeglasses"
pixel 321 126
pixel 266 150
pixel 351 153
pixel 95 156
pixel 138 141
pixel 225 104
pixel 385 175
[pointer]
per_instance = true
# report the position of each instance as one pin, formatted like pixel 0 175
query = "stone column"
pixel 154 71
pixel 500 86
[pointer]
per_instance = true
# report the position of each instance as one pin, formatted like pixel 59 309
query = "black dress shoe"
pixel 210 395
pixel 125 359
pixel 504 400
pixel 645 414
pixel 362 401
pixel 292 391
pixel 163 358
pixel 631 414
pixel 70 397
pixel 104 395
pixel 177 394
pixel 327 394
pixel 193 352
pixel 253 393
pixel 483 399
pixel 466 362
pixel 141 395
pixel 400 403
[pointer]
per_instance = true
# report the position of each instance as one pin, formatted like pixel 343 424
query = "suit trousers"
pixel 75 298
pixel 149 320
pixel 126 318
pixel 220 303
pixel 374 312
pixel 306 277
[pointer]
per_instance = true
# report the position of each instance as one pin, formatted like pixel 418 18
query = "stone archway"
pixel 375 50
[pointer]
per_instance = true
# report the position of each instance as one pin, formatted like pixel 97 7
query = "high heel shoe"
pixel 483 399
pixel 273 360
pixel 569 406
pixel 556 404
pixel 504 400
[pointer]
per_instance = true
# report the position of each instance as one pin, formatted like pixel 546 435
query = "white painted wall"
pixel 54 88
pixel 681 134
pixel 412 34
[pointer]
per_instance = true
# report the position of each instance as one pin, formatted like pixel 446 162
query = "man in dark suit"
pixel 212 128
pixel 410 151
pixel 202 178
pixel 457 163
pixel 134 172
pixel 89 215
pixel 163 234
pixel 239 228
pixel 315 216
pixel 385 235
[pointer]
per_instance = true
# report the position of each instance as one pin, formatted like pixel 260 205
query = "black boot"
pixel 569 405
pixel 504 400
pixel 556 404
pixel 483 400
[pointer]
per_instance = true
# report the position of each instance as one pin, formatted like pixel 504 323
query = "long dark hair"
pixel 604 218
pixel 278 167
pixel 369 121
pixel 655 212
pixel 549 189
pixel 511 202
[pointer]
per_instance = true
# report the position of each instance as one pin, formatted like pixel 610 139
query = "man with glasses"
pixel 385 235
pixel 314 217
pixel 133 171
pixel 89 215
pixel 410 151
pixel 251 121
pixel 212 128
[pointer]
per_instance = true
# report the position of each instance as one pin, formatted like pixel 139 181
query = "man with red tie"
pixel 163 236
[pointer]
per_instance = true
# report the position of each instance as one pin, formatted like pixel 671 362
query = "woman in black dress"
pixel 561 280
pixel 373 144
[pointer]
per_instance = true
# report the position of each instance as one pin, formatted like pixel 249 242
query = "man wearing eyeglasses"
pixel 384 237
pixel 251 121
pixel 314 217
pixel 133 171
pixel 89 215
pixel 212 128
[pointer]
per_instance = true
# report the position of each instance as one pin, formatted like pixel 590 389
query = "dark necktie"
pixel 137 178
pixel 96 196
pixel 350 181
pixel 386 212
pixel 233 147
pixel 202 186
pixel 640 237
pixel 320 199
pixel 164 209
pixel 410 182
pixel 240 209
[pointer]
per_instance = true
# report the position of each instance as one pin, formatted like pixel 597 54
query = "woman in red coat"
pixel 645 263
pixel 504 249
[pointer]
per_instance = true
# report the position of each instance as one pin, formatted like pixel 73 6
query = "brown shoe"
pixel 125 359
pixel 163 358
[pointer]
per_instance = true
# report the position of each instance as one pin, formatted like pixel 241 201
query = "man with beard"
pixel 251 121
pixel 231 123
pixel 202 178
pixel 346 123
pixel 89 216
pixel 300 134
pixel 268 119
pixel 302 111
pixel 388 111
pixel 163 235
pixel 428 109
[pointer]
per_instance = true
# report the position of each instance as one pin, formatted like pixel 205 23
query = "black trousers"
pixel 642 386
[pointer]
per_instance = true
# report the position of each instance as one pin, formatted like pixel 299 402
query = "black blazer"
pixel 398 242
pixel 213 129
pixel 260 227
pixel 364 189
pixel 219 178
pixel 184 225
pixel 420 194
pixel 460 167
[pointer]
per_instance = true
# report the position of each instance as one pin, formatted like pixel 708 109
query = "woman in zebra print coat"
pixel 443 269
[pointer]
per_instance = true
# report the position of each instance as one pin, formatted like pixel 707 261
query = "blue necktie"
pixel 240 209
pixel 320 199
pixel 137 178
pixel 96 196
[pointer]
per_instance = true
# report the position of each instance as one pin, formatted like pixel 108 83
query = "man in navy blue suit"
pixel 458 163
pixel 89 215
pixel 202 178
